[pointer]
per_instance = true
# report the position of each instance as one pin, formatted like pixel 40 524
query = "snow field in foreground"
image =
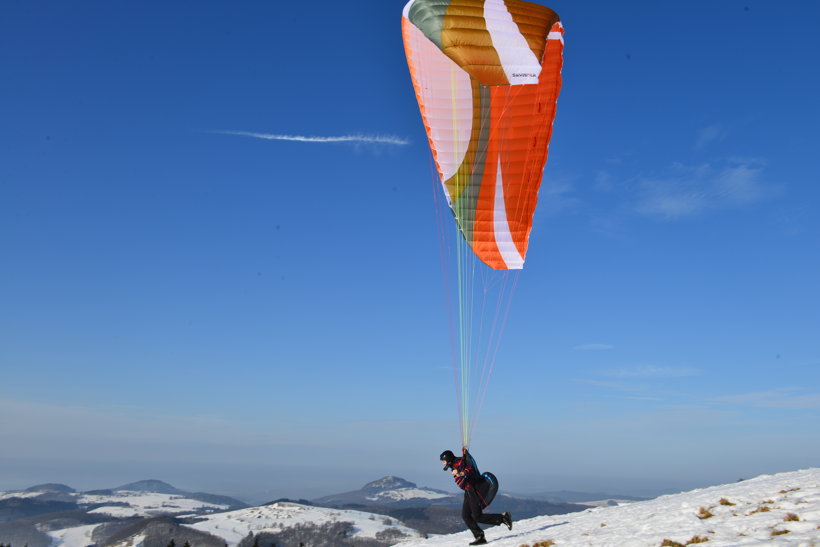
pixel 782 509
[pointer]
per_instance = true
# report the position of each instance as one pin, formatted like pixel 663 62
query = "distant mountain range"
pixel 152 512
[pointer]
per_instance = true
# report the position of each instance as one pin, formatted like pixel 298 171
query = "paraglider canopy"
pixel 487 75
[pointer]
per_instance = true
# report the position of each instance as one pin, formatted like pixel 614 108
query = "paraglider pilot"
pixel 476 489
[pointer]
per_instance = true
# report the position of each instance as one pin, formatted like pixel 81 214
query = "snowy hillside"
pixel 20 494
pixel 393 489
pixel 140 499
pixel 128 503
pixel 235 525
pixel 403 494
pixel 782 509
pixel 389 491
pixel 52 514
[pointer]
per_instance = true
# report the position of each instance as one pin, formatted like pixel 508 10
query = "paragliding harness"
pixel 488 489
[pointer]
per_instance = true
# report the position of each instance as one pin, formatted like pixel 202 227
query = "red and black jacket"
pixel 467 475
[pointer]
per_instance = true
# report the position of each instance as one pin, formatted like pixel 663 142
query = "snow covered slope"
pixel 235 525
pixel 78 535
pixel 782 509
pixel 393 491
pixel 133 500
pixel 404 494
pixel 127 503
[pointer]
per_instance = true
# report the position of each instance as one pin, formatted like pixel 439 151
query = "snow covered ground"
pixel 782 509
pixel 235 525
pixel 79 536
pixel 19 494
pixel 125 503
pixel 407 494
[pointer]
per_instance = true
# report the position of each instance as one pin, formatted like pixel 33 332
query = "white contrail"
pixel 360 139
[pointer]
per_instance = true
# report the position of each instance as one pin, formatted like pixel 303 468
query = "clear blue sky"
pixel 266 318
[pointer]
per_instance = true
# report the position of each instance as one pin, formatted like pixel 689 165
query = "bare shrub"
pixel 779 532
pixel 705 513
pixel 697 539
pixel 791 517
pixel 724 501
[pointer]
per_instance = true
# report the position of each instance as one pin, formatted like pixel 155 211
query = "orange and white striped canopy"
pixel 487 74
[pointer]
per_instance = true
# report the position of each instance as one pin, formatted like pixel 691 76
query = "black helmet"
pixel 448 458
